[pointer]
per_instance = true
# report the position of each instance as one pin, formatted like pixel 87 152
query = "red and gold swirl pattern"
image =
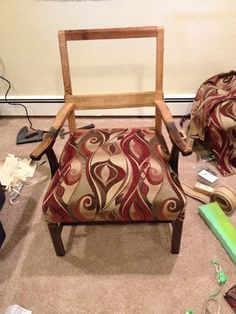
pixel 114 175
pixel 214 115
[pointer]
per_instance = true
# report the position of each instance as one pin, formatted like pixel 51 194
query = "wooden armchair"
pixel 116 175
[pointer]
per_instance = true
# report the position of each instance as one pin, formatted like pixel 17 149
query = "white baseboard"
pixel 179 106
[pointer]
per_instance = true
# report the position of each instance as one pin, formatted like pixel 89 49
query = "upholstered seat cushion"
pixel 114 175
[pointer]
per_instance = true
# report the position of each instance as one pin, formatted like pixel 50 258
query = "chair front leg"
pixel 174 158
pixel 177 226
pixel 55 232
pixel 52 159
pixel 2 234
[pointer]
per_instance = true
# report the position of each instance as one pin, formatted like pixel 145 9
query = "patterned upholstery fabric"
pixel 114 175
pixel 213 119
pixel 230 297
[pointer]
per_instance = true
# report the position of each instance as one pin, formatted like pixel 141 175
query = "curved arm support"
pixel 174 133
pixel 48 141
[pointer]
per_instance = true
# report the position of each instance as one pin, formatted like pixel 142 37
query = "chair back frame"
pixel 118 100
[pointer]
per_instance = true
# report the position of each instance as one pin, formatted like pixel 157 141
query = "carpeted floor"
pixel 107 269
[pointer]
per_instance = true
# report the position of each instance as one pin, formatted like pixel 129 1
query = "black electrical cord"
pixel 17 104
pixel 26 110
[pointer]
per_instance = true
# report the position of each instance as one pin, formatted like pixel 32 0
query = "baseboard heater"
pixel 179 106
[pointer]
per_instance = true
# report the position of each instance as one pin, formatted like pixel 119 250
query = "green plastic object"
pixel 220 275
pixel 189 312
pixel 221 226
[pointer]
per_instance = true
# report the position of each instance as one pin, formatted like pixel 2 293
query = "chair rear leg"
pixel 176 236
pixel 55 232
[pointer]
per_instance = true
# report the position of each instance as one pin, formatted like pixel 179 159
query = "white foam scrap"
pixel 17 309
pixel 15 170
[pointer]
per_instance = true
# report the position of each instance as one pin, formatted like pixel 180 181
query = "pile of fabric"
pixel 213 119
pixel 14 173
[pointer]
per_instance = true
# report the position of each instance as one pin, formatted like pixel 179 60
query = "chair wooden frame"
pixel 105 101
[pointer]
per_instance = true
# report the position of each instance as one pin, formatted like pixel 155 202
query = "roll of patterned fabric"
pixel 223 195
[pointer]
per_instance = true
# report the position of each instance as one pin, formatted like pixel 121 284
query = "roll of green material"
pixel 221 226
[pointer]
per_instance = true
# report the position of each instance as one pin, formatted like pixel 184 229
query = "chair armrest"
pixel 51 136
pixel 174 133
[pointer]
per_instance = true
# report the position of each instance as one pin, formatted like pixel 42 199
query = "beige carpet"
pixel 107 269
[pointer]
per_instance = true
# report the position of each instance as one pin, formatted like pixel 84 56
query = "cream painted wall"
pixel 200 41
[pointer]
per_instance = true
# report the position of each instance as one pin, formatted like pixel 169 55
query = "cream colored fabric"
pixel 14 171
pixel 223 195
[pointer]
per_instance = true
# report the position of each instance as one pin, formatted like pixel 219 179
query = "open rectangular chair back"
pixel 117 100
